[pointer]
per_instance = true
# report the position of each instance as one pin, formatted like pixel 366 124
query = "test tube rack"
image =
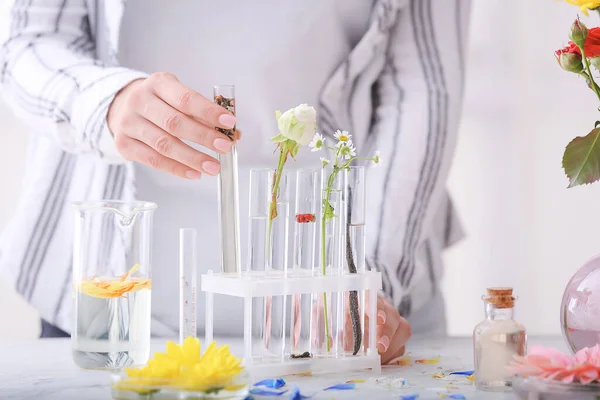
pixel 249 285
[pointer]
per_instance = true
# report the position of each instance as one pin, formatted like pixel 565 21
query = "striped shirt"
pixel 399 90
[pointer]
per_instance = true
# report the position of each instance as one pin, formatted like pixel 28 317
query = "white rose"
pixel 298 124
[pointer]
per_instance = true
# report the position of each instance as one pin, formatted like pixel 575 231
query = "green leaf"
pixel 295 151
pixel 278 139
pixel 328 211
pixel 581 160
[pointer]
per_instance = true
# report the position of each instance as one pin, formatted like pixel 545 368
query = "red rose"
pixel 592 43
pixel 591 46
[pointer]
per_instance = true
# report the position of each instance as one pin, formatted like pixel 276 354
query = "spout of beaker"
pixel 126 210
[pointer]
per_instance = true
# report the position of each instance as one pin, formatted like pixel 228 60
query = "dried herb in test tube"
pixel 353 295
pixel 229 105
pixel 306 354
pixel 229 222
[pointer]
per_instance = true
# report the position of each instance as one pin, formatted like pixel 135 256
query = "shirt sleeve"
pixel 52 80
pixel 419 96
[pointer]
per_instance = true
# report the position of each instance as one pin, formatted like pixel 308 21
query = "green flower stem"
pixel 586 63
pixel 274 193
pixel 326 207
pixel 326 216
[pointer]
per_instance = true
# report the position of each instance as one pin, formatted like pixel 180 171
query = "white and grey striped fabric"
pixel 58 70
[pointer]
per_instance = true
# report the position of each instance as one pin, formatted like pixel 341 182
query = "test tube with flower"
pixel 277 253
pixel 333 238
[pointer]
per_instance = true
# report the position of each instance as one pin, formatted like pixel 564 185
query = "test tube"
pixel 277 261
pixel 258 212
pixel 229 222
pixel 188 242
pixel 354 262
pixel 307 188
pixel 328 326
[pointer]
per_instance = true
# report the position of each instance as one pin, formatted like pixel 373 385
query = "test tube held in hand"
pixel 229 222
pixel 188 244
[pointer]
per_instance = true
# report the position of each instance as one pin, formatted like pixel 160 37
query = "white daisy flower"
pixel 324 161
pixel 376 158
pixel 317 142
pixel 348 151
pixel 348 143
pixel 342 136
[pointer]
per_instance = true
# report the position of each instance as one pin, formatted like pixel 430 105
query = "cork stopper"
pixel 501 297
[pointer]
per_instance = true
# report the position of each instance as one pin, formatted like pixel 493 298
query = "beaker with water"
pixel 112 283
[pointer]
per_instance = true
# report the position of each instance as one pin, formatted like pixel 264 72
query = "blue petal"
pixel 409 397
pixel 296 395
pixel 457 396
pixel 468 373
pixel 342 386
pixel 271 383
pixel 249 398
pixel 262 392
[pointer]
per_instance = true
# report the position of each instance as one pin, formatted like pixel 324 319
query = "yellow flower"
pixel 585 5
pixel 183 367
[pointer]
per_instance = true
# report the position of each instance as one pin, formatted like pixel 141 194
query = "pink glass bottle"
pixel 497 340
pixel 580 307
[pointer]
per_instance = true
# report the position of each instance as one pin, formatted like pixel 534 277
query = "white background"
pixel 525 229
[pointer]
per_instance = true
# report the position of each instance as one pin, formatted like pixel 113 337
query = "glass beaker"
pixel 112 284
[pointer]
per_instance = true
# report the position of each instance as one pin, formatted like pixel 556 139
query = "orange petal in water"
pixel 109 288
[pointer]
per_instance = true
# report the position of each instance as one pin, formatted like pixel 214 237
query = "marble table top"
pixel 43 369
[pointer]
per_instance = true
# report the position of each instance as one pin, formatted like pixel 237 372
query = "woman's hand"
pixel 150 118
pixel 393 331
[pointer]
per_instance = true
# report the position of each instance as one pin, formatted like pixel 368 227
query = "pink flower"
pixel 551 364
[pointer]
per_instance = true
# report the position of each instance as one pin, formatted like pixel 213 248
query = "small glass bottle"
pixel 497 340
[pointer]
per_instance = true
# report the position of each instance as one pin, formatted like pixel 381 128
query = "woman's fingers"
pixel 386 332
pixel 135 150
pixel 393 331
pixel 177 95
pixel 381 315
pixel 182 126
pixel 173 148
pixel 397 356
pixel 161 112
pixel 397 342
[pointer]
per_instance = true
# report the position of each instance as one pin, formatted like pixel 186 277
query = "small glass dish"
pixel 125 388
pixel 538 389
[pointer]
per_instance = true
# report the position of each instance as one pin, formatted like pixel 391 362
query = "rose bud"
pixel 571 62
pixel 578 33
pixel 569 58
